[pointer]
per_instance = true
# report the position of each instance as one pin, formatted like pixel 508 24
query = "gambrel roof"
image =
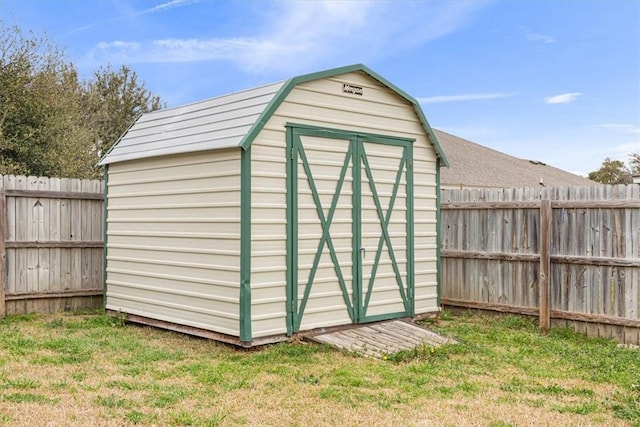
pixel 227 121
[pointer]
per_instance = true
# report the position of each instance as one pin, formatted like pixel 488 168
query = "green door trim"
pixel 356 228
pixel 292 234
pixel 356 158
pixel 345 134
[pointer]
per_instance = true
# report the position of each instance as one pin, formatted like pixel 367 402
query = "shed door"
pixel 350 228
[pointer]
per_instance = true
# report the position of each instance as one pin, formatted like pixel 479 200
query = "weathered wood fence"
pixel 568 255
pixel 50 244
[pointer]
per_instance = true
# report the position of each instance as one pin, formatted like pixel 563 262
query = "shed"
pixel 299 205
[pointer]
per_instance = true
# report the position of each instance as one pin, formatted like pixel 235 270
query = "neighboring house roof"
pixel 473 166
pixel 227 121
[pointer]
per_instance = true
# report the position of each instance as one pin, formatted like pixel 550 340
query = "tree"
pixel 612 172
pixel 38 88
pixel 51 122
pixel 634 163
pixel 115 99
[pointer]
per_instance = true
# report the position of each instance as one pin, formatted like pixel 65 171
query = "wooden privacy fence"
pixel 567 254
pixel 51 233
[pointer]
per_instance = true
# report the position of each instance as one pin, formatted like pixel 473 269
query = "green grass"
pixel 501 370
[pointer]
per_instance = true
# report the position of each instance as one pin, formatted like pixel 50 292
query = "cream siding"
pixel 322 103
pixel 425 229
pixel 174 207
pixel 174 239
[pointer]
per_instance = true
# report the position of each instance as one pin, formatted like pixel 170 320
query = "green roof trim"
pixel 291 83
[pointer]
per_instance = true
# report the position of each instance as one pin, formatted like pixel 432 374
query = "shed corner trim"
pixel 245 246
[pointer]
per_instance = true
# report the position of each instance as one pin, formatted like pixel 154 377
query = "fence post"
pixel 545 264
pixel 3 257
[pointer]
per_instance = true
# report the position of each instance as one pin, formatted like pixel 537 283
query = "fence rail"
pixel 50 244
pixel 568 255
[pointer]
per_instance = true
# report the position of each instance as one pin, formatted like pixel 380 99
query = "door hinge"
pixel 293 308
pixel 291 153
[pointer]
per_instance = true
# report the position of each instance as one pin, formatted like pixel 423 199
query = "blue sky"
pixel 555 81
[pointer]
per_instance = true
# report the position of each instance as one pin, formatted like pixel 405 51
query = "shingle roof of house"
pixel 474 165
pixel 227 121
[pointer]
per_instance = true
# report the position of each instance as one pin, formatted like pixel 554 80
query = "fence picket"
pixel 40 271
pixel 489 237
pixel 594 250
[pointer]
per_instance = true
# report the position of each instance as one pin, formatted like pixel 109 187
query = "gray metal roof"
pixel 215 123
pixel 474 166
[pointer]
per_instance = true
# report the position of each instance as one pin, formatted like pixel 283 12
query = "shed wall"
pixel 173 239
pixel 322 103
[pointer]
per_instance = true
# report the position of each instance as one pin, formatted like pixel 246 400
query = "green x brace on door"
pixel 350 227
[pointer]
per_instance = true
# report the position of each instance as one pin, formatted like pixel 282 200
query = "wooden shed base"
pixel 371 339
pixel 202 333
pixel 380 339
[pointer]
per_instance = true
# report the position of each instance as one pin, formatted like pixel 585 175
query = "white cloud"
pixel 629 147
pixel 122 50
pixel 83 28
pixel 159 8
pixel 292 36
pixel 563 98
pixel 621 127
pixel 542 38
pixel 463 97
pixel 168 5
pixel 537 37
pixel 186 50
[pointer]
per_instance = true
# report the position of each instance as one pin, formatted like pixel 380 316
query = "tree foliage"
pixel 116 98
pixel 616 172
pixel 51 122
pixel 634 163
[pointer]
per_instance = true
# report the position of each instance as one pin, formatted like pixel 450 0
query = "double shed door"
pixel 350 226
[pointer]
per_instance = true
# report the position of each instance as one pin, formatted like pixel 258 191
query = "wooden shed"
pixel 299 205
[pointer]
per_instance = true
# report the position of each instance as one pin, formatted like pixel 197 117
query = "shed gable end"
pixel 235 119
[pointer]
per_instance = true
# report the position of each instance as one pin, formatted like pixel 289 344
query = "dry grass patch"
pixel 95 370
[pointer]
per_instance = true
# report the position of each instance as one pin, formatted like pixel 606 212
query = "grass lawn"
pixel 94 370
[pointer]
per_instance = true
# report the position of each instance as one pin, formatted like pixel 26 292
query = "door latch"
pixel 364 252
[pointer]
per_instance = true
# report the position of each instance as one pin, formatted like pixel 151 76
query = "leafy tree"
pixel 36 107
pixel 51 122
pixel 634 163
pixel 612 172
pixel 115 99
